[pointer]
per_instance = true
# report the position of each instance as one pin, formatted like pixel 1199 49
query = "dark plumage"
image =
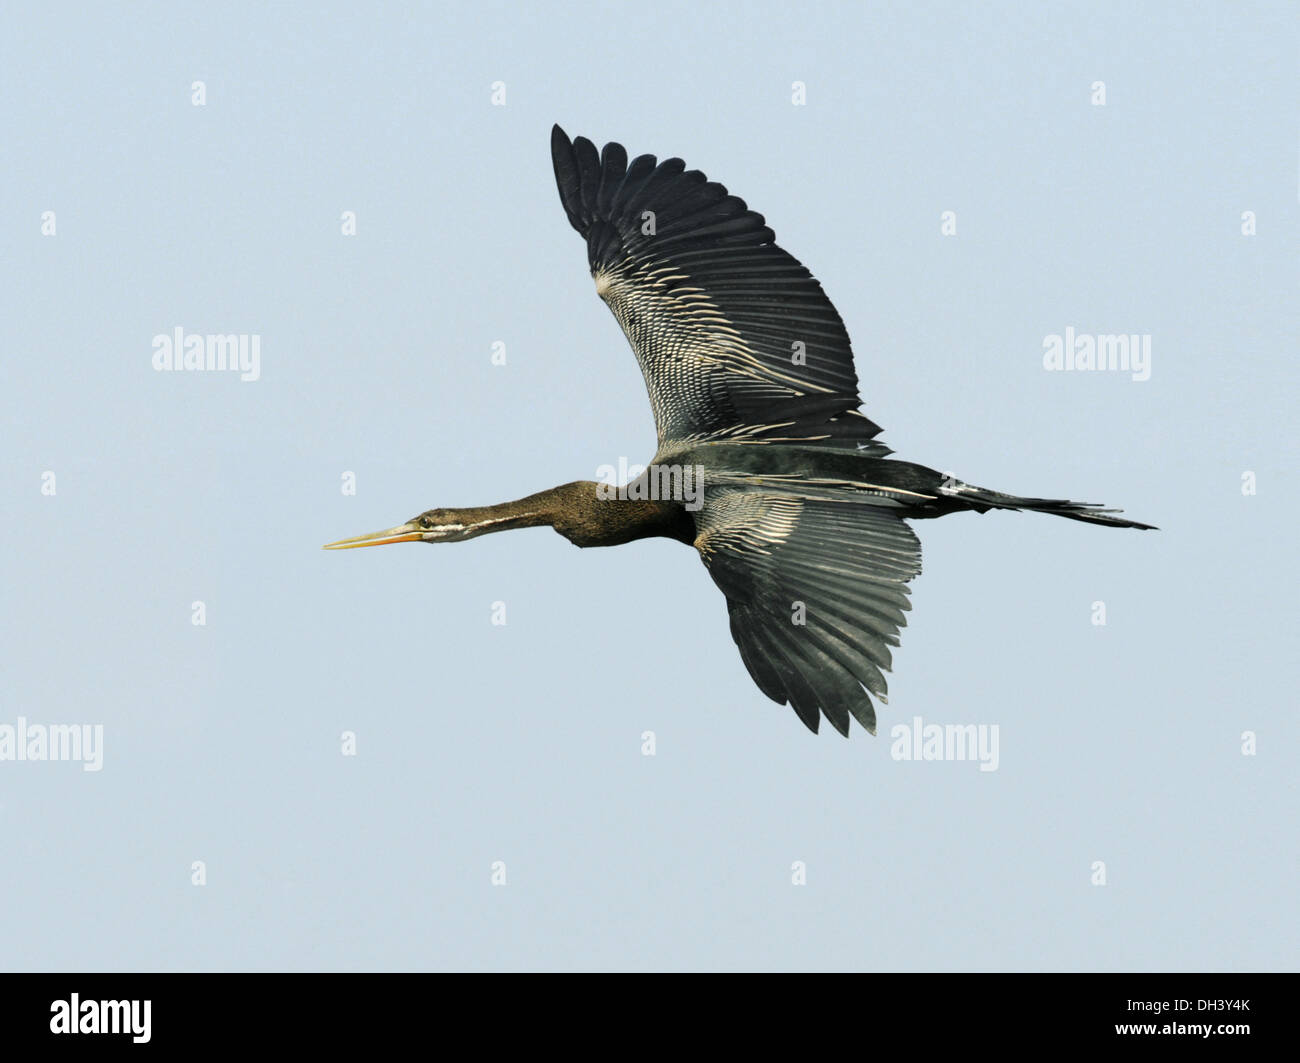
pixel 799 512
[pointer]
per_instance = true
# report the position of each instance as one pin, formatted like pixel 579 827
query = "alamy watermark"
pixel 1084 352
pixel 952 741
pixel 74 1015
pixel 58 741
pixel 657 483
pixel 197 352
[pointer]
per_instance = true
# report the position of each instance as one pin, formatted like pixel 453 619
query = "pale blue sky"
pixel 522 743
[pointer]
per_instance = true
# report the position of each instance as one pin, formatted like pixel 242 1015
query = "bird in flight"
pixel 765 464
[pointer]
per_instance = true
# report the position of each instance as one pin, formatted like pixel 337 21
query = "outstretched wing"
pixel 817 593
pixel 736 340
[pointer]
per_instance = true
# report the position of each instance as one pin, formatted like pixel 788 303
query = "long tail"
pixel 982 499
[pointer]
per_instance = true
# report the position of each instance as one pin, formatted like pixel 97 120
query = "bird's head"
pixel 431 526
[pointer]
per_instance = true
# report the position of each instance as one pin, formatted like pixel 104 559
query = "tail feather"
pixel 982 499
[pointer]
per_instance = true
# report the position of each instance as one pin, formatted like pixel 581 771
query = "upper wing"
pixel 736 340
pixel 816 590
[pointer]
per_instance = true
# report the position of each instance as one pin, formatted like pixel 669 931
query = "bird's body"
pixel 765 463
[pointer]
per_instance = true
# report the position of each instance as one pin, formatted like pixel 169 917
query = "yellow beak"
pixel 403 533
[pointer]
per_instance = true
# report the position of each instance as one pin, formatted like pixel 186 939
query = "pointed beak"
pixel 403 533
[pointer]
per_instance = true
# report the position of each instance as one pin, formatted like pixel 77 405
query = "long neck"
pixel 578 513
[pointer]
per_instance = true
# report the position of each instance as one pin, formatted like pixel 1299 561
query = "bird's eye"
pixel 426 523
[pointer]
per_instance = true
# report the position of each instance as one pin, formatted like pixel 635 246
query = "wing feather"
pixel 817 592
pixel 735 338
